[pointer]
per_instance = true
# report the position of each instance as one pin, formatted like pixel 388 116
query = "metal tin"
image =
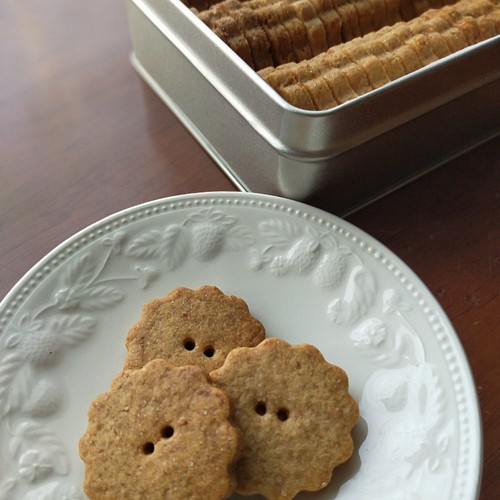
pixel 339 159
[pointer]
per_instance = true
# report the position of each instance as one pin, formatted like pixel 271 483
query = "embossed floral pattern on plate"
pixel 309 276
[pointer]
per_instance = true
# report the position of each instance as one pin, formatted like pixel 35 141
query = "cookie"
pixel 295 415
pixel 159 432
pixel 198 327
pixel 401 47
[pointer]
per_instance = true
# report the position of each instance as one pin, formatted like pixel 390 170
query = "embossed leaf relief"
pixel 7 487
pixel 40 341
pixel 305 250
pixel 203 235
pixel 54 491
pixel 404 405
pixel 35 340
pixel 38 451
pixel 385 347
pixel 358 296
pixel 33 397
pixel 407 444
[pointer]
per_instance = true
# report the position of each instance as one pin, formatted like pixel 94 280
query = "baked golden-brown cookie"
pixel 159 432
pixel 378 57
pixel 295 414
pixel 198 327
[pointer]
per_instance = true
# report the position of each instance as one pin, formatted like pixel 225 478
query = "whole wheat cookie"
pixel 295 415
pixel 198 327
pixel 160 432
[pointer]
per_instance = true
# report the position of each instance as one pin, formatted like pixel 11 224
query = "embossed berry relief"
pixel 203 235
pixel 306 250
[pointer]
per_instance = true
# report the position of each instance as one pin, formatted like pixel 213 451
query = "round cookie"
pixel 198 327
pixel 160 432
pixel 295 415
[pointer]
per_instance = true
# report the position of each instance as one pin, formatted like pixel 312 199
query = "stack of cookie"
pixel 321 53
pixel 206 405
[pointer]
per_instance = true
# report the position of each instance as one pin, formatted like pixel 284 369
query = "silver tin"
pixel 340 159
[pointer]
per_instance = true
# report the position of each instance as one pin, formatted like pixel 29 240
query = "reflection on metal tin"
pixel 339 159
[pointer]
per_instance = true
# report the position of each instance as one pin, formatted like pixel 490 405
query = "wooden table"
pixel 81 137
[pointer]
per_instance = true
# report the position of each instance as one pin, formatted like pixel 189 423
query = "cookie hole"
pixel 189 344
pixel 148 448
pixel 260 408
pixel 167 431
pixel 282 414
pixel 209 351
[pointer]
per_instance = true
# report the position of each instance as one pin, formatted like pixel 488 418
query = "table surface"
pixel 81 137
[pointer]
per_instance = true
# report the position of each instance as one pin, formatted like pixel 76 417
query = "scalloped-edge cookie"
pixel 160 432
pixel 295 414
pixel 198 327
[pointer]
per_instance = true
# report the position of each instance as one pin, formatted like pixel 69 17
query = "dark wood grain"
pixel 80 134
pixel 82 137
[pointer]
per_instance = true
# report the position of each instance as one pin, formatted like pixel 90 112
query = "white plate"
pixel 306 274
